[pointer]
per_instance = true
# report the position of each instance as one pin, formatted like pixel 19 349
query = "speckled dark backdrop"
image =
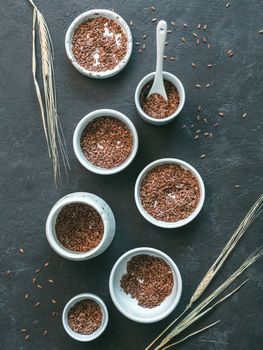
pixel 234 157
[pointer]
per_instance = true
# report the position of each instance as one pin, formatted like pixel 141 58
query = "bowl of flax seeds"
pixel 99 43
pixel 105 141
pixel 169 193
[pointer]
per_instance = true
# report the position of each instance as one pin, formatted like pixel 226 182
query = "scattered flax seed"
pixel 198 118
pixel 137 43
pixel 140 50
pixel 37 271
pixel 54 314
pixel 222 114
pixel 166 43
pixel 209 46
pixel 198 86
pixel 205 27
pixel 39 286
pixel 207 85
pixel 199 108
pixel 50 281
pixel 203 156
pixel 27 337
pixel 185 25
pixel 154 19
pixel 46 264
pixel 152 8
pixel 199 26
pixel 194 35
pixel 165 57
pixel 230 53
pixel 209 65
pixel 183 39
pixel 53 301
pixel 34 280
pixel 131 22
pixel 7 273
pixel 205 121
pixel 206 134
pixel 196 137
pixel 197 41
pixel 260 31
pixel 23 330
pixel 198 131
pixel 210 135
pixel 227 5
pixel 204 40
pixel 21 251
pixel 244 115
pixel 144 46
pixel 216 125
pixel 169 31
pixel 45 332
pixel 237 186
pixel 172 58
pixel 26 296
pixel 37 304
pixel 173 23
pixel 144 36
pixel 192 126
pixel 193 65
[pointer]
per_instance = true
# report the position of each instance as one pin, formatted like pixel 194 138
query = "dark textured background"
pixel 234 156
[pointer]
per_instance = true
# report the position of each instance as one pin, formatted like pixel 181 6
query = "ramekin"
pixel 81 127
pixel 127 305
pixel 96 203
pixel 75 300
pixel 172 79
pixel 165 224
pixel 93 14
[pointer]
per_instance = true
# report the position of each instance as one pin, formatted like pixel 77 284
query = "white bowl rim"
pixel 82 124
pixel 75 300
pixel 82 18
pixel 172 264
pixel 175 81
pixel 75 197
pixel 150 218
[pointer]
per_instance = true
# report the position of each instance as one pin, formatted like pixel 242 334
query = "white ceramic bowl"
pixel 165 224
pixel 100 206
pixel 82 126
pixel 179 86
pixel 85 337
pixel 93 14
pixel 127 305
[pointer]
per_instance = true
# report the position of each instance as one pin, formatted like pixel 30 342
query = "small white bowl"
pixel 172 79
pixel 93 14
pixel 127 305
pixel 106 215
pixel 82 126
pixel 165 224
pixel 75 300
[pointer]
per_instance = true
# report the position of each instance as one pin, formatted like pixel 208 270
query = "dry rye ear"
pixel 47 101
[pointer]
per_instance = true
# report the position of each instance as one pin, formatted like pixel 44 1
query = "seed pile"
pixel 156 106
pixel 106 142
pixel 149 280
pixel 169 193
pixel 79 227
pixel 85 317
pixel 99 44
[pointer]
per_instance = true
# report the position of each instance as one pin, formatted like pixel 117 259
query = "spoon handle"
pixel 161 33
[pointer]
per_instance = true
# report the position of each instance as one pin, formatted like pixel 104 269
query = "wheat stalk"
pixel 255 210
pixel 48 101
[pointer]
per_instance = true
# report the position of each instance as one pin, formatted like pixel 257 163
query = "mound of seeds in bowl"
pixel 149 280
pixel 85 317
pixel 156 106
pixel 99 44
pixel 79 227
pixel 169 192
pixel 106 142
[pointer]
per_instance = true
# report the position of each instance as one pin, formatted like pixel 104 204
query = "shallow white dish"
pixel 106 215
pixel 179 86
pixel 165 224
pixel 93 14
pixel 71 303
pixel 82 126
pixel 127 305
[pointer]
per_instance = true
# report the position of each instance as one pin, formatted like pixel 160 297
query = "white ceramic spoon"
pixel 158 83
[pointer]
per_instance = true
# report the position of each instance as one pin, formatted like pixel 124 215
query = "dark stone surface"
pixel 234 156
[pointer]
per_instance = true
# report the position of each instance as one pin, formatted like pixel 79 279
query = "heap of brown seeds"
pixel 156 106
pixel 149 280
pixel 85 317
pixel 169 193
pixel 79 227
pixel 106 142
pixel 99 44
